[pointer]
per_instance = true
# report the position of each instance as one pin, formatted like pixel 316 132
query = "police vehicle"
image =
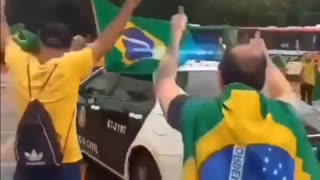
pixel 121 125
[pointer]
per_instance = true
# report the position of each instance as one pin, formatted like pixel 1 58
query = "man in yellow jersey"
pixel 60 95
pixel 308 77
pixel 242 134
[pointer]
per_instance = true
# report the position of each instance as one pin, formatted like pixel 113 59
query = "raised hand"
pixel 3 4
pixel 258 42
pixel 178 24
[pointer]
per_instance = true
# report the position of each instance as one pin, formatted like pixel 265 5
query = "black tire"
pixel 144 167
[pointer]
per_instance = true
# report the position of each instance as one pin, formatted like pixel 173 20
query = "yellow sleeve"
pixel 101 62
pixel 80 62
pixel 15 56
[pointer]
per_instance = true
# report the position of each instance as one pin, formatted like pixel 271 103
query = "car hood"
pixel 310 116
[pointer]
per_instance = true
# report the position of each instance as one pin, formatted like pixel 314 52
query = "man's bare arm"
pixel 106 40
pixel 278 86
pixel 166 87
pixel 5 32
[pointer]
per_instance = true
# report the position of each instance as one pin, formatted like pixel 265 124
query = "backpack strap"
pixel 44 84
pixel 29 80
pixel 68 133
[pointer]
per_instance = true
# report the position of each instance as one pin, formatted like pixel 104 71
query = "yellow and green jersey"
pixel 242 136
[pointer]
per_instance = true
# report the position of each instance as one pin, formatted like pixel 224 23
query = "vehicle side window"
pixel 197 83
pixel 134 89
pixel 102 83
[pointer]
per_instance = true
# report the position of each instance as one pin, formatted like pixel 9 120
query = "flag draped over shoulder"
pixel 229 138
pixel 140 47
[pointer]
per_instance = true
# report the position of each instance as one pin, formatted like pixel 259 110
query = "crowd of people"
pixel 209 127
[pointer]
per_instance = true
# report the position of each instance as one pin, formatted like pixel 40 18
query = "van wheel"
pixel 144 167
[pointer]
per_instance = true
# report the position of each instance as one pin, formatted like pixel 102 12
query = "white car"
pixel 121 125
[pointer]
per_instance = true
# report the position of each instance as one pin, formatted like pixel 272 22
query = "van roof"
pixel 199 65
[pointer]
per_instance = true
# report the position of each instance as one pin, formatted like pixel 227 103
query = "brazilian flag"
pixel 142 44
pixel 244 135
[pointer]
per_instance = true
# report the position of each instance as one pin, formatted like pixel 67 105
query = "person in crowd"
pixel 65 69
pixel 242 134
pixel 309 75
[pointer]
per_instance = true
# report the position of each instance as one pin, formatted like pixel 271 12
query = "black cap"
pixel 56 35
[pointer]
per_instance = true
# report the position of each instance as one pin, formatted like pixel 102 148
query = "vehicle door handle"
pixel 94 107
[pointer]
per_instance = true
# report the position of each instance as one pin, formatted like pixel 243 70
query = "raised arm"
pixel 5 32
pixel 106 40
pixel 165 85
pixel 279 86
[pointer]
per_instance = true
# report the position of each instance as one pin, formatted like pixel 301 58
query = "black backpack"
pixel 36 142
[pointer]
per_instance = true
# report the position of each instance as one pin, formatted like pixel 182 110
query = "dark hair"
pixel 56 35
pixel 250 71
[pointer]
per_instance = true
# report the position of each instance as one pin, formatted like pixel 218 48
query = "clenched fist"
pixel 258 42
pixel 179 22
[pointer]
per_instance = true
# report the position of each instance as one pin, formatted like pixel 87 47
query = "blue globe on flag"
pixel 138 45
pixel 255 162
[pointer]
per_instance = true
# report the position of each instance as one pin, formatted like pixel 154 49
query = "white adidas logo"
pixel 33 156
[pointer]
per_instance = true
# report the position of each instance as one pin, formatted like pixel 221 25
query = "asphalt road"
pixel 8 126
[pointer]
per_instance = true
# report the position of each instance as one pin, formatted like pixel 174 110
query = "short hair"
pixel 56 35
pixel 247 70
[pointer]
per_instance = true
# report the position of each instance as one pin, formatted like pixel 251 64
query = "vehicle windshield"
pixel 199 83
pixel 308 42
pixel 287 40
pixel 280 40
pixel 206 45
